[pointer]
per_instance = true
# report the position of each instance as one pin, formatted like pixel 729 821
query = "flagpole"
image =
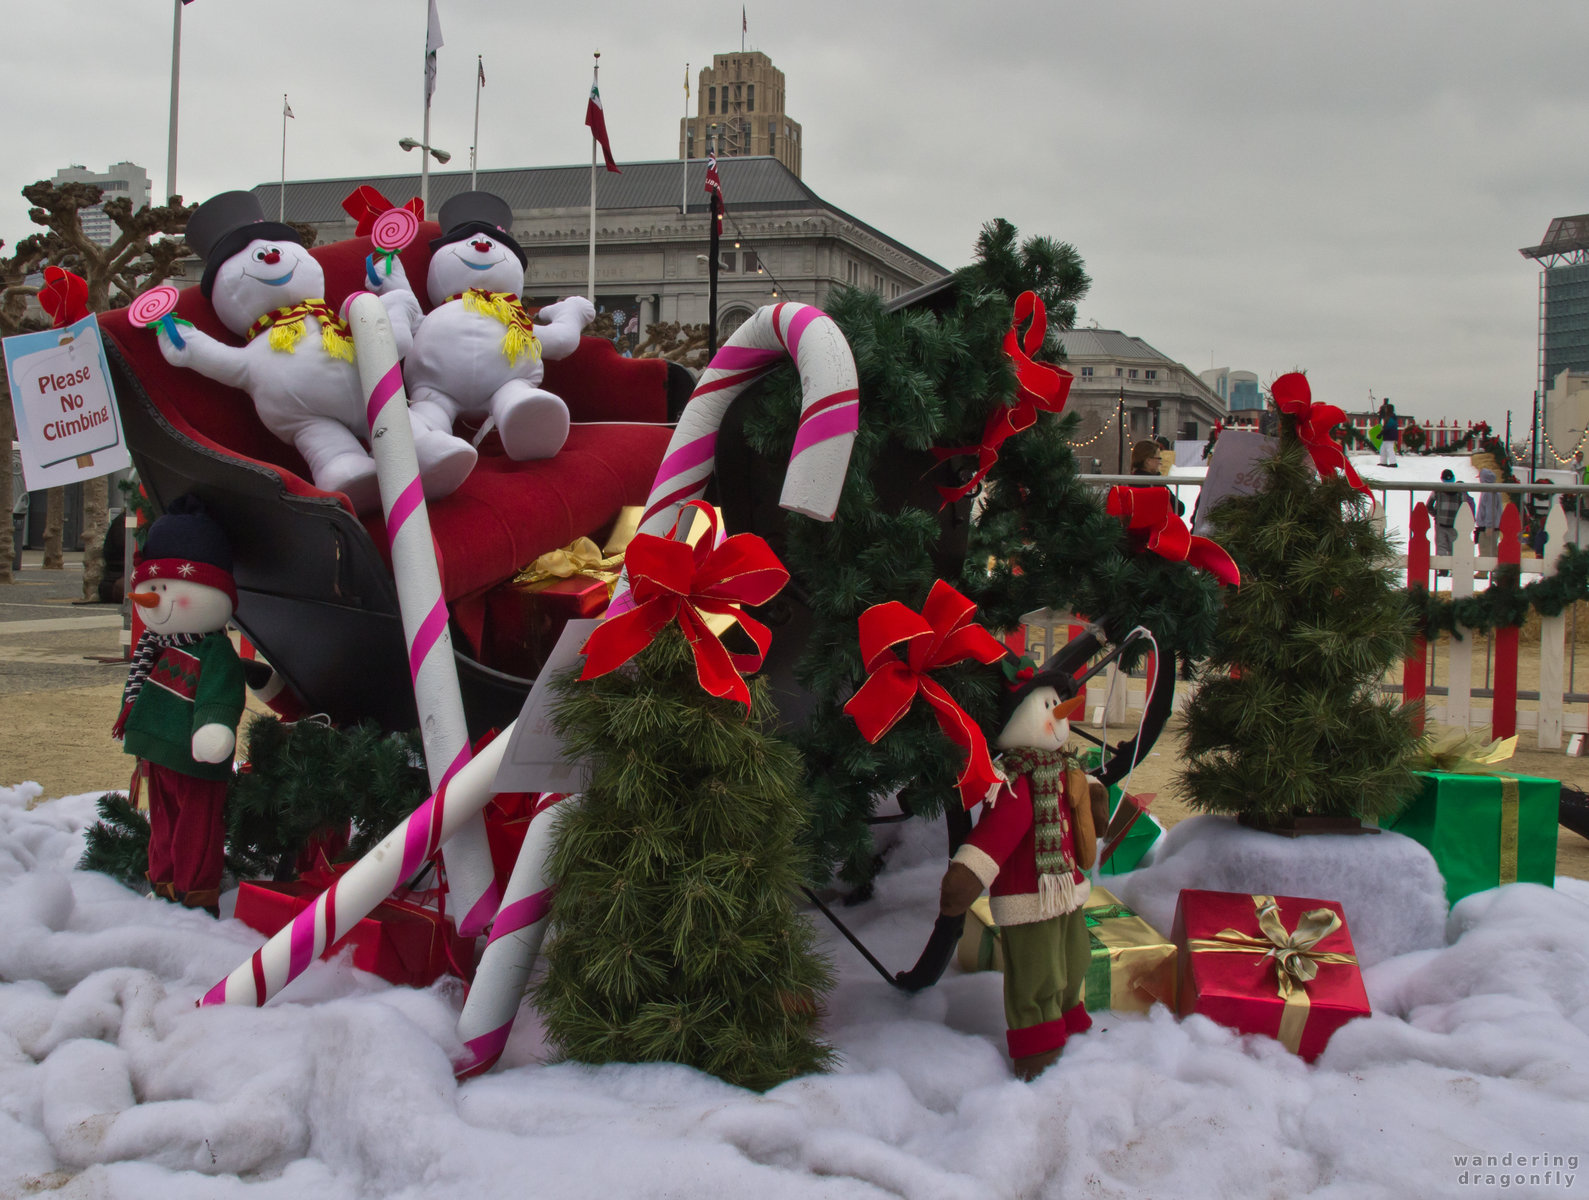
pixel 424 158
pixel 282 210
pixel 594 82
pixel 684 183
pixel 176 64
pixel 479 73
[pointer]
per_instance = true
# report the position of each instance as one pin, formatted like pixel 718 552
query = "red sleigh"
pixel 315 591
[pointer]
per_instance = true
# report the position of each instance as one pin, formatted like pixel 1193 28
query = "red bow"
pixel 1039 386
pixel 1314 422
pixel 670 579
pixel 364 204
pixel 1152 522
pixel 64 296
pixel 940 636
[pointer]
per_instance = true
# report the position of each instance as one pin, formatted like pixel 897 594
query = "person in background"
pixel 1487 518
pixel 1145 460
pixel 1389 430
pixel 1443 509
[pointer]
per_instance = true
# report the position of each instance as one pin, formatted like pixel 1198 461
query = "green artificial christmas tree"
pixel 930 377
pixel 675 934
pixel 1287 720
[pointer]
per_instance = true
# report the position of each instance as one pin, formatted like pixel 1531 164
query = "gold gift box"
pixel 1132 967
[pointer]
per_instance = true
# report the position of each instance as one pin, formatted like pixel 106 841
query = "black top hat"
pixel 224 224
pixel 468 213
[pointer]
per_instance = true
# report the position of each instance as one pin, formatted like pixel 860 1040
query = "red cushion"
pixel 506 513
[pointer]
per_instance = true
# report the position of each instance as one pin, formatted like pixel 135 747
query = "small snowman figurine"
pixel 298 362
pixel 1035 837
pixel 477 353
pixel 183 700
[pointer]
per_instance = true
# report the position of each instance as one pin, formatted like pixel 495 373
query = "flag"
pixel 597 120
pixel 480 63
pixel 286 109
pixel 433 43
pixel 714 185
pixel 686 81
pixel 744 21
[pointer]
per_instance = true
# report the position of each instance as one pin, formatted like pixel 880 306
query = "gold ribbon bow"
pixel 1296 958
pixel 580 557
pixel 1458 752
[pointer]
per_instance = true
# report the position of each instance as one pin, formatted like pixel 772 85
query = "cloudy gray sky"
pixel 1335 186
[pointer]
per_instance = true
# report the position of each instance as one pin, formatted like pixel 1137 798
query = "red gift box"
pixel 401 941
pixel 1275 965
pixel 522 625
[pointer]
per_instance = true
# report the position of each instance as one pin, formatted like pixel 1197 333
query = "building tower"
pixel 119 179
pixel 739 107
pixel 1563 258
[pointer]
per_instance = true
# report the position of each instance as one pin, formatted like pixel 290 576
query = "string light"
pixel 1096 436
pixel 1562 458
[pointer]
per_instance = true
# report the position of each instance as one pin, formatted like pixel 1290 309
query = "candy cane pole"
pixel 436 695
pixel 365 884
pixel 499 981
pixel 829 414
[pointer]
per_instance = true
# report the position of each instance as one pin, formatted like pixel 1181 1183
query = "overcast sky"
pixel 1341 186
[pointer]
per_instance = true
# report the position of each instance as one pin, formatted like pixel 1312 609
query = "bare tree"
pixel 14 292
pixel 131 263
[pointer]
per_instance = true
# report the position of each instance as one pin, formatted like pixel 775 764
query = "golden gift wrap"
pixel 1132 967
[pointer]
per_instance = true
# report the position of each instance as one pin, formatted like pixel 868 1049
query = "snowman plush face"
pixel 263 276
pixel 478 261
pixel 1034 724
pixel 182 606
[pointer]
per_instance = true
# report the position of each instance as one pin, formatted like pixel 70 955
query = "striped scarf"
pixel 150 646
pixel 1056 867
pixel 287 327
pixel 520 338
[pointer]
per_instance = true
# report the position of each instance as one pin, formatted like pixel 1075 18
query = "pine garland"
pixel 1507 601
pixel 1286 719
pixel 930 378
pixel 674 931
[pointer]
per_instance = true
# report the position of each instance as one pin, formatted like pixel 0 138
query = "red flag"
pixel 597 120
pixel 714 185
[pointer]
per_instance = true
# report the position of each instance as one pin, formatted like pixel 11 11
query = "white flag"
pixel 433 43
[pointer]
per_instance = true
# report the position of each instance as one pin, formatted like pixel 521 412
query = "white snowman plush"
pixel 298 362
pixel 476 353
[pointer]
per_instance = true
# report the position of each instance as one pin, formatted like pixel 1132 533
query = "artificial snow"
pixel 112 1084
pixel 1386 883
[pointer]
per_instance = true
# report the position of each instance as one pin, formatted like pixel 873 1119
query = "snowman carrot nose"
pixel 146 599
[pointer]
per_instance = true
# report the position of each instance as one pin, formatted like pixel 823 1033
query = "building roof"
pixel 1108 343
pixel 750 184
pixel 1565 235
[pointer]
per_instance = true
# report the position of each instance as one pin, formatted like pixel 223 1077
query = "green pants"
pixel 1045 967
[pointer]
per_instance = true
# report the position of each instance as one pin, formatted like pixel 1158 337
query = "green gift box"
pixel 1485 830
pixel 1143 833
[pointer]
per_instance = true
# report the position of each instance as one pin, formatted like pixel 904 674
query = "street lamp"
pixel 440 156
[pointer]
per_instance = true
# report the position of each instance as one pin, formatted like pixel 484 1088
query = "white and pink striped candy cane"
pixel 500 979
pixel 470 880
pixel 829 415
pixel 366 883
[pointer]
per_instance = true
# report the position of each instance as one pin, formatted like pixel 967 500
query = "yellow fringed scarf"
pixel 520 338
pixel 286 327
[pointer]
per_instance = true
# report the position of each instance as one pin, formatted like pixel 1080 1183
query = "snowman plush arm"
pixel 402 306
pixel 565 323
pixel 213 743
pixel 210 358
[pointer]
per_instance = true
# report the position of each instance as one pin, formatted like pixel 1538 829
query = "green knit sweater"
pixel 187 688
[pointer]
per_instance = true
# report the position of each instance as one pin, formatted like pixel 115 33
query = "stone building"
pixel 119 179
pixel 1117 373
pixel 739 107
pixel 780 239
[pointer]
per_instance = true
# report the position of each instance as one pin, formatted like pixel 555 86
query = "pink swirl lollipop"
pixel 155 307
pixel 394 229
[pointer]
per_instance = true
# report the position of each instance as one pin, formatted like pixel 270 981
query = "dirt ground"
pixel 57 704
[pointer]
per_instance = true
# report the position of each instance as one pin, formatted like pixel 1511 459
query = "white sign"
pixel 533 761
pixel 1234 469
pixel 67 422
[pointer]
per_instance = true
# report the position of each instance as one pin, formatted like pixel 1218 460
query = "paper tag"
pixel 534 761
pixel 68 426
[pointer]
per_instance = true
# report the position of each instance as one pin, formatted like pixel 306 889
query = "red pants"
pixel 187 834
